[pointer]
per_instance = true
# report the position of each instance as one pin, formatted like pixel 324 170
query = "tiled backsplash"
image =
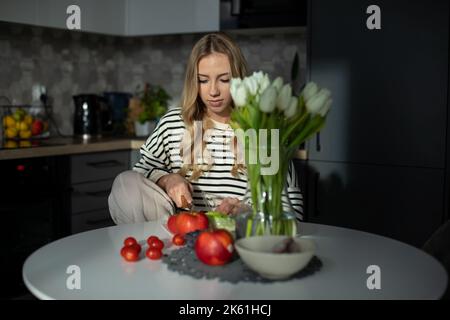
pixel 69 63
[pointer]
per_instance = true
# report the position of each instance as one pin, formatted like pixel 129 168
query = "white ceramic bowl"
pixel 256 253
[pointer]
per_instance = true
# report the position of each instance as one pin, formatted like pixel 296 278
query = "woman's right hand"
pixel 176 186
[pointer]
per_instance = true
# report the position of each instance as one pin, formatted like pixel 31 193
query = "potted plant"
pixel 153 103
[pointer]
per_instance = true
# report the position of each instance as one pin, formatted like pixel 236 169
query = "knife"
pixel 185 206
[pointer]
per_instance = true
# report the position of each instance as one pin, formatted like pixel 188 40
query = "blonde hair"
pixel 193 108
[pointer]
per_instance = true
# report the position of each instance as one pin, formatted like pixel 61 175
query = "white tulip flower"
pixel 268 100
pixel 291 110
pixel 240 98
pixel 317 102
pixel 278 83
pixel 251 84
pixel 323 112
pixel 310 90
pixel 235 83
pixel 258 76
pixel 264 83
pixel 284 97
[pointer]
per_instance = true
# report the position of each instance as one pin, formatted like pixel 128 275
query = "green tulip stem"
pixel 299 121
pixel 313 126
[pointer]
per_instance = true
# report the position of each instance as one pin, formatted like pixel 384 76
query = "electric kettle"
pixel 92 117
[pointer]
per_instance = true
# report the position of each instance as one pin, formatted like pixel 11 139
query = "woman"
pixel 190 152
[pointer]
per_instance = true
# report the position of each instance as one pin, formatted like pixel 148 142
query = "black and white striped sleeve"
pixel 154 162
pixel 294 193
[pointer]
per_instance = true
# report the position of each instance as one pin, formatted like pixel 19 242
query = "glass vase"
pixel 249 224
pixel 266 208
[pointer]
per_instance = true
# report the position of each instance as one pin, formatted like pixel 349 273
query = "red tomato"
pixel 153 254
pixel 129 241
pixel 130 253
pixel 214 247
pixel 156 244
pixel 172 223
pixel 178 240
pixel 189 222
pixel 137 246
pixel 152 239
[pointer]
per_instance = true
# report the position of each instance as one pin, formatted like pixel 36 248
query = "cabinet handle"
pixel 100 193
pixel 318 145
pixel 105 164
pixel 235 7
pixel 97 221
pixel 316 194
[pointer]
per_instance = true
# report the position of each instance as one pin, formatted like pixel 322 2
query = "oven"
pixel 34 210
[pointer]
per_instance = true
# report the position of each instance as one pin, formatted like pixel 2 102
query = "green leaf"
pixel 239 118
pixel 313 126
pixel 294 127
pixel 254 117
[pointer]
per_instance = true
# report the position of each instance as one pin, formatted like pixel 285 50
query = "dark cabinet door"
pixel 92 176
pixel 389 86
pixel 403 203
pixel 35 210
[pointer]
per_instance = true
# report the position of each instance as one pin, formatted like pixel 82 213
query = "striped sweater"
pixel 160 155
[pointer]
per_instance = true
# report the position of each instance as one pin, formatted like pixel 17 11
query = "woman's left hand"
pixel 229 206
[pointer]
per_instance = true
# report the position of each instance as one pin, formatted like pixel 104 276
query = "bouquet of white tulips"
pixel 282 122
pixel 261 104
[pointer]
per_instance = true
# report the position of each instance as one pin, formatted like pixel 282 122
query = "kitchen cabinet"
pixel 92 176
pixel 45 198
pixel 250 14
pixel 100 16
pixel 388 85
pixel 171 16
pixel 35 210
pixel 19 11
pixel 379 164
pixel 135 155
pixel 118 17
pixel 398 202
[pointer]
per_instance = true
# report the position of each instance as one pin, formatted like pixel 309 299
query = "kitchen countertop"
pixel 68 146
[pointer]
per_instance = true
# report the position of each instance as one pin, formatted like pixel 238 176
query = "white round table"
pixel 405 272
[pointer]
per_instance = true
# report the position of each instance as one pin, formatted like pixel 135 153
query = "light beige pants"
pixel 134 198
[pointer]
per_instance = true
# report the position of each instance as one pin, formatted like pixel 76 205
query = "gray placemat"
pixel 184 261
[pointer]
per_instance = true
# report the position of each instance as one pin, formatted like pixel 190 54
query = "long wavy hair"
pixel 194 110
